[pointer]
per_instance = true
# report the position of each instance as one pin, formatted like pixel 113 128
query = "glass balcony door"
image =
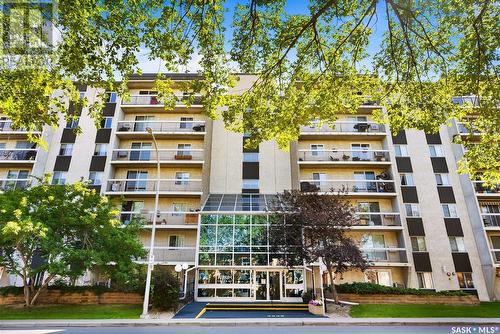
pixel 141 182
pixel 143 152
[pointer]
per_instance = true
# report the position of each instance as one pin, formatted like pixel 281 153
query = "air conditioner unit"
pixel 379 154
pixel 374 127
pixel 122 154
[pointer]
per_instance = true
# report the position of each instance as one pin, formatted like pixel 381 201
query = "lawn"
pixel 484 310
pixel 72 312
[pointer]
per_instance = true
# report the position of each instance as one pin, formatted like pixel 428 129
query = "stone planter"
pixel 316 310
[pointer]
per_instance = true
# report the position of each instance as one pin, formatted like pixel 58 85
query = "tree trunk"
pixel 332 284
pixel 27 294
pixel 40 289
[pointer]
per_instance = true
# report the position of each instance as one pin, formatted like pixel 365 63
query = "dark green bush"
pixel 307 296
pixel 97 289
pixel 370 288
pixel 165 289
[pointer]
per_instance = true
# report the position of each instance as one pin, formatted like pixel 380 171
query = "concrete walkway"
pixel 254 322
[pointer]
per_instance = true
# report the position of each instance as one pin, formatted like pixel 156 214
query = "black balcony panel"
pixel 62 163
pixel 453 227
pixel 433 138
pixel 103 136
pixel 404 164
pixel 462 262
pixel 409 194
pixel 446 195
pixel 415 227
pixel 439 164
pixel 400 138
pixel 422 261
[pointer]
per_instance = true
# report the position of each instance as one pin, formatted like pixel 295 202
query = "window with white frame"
pixel 106 122
pixel 457 244
pixel 184 149
pixel 401 150
pixel 111 97
pixel 418 244
pixel 406 179
pixel 317 149
pixel 96 178
pixel 319 178
pixel 101 149
pixel 72 122
pixel 425 280
pixel 59 177
pixel 66 149
pixel 176 241
pixel 181 178
pixel 442 179
pixel 179 208
pixel 412 210
pixel 436 150
pixel 186 123
pixel 465 280
pixel 449 210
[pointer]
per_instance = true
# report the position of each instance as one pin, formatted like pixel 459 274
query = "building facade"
pixel 421 224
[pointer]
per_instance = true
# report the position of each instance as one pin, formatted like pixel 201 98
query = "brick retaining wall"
pixel 83 298
pixel 409 299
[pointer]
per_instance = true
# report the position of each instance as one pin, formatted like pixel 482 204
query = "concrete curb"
pixel 253 322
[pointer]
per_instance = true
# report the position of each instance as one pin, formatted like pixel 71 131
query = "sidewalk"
pixel 253 322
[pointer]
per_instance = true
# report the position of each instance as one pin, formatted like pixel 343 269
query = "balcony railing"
pixel 347 126
pixel 472 100
pixel 491 219
pixel 150 100
pixel 161 126
pixel 147 185
pixel 463 129
pixel 173 254
pixel 163 218
pixel 344 155
pixel 389 254
pixel 163 154
pixel 378 219
pixel 352 186
pixel 12 184
pixel 481 188
pixel 19 154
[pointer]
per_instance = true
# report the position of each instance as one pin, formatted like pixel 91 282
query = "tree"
pixel 307 226
pixel 166 289
pixel 62 231
pixel 316 64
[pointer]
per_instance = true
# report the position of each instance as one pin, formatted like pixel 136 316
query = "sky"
pixel 292 7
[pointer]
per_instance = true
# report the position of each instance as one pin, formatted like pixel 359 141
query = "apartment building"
pixel 421 224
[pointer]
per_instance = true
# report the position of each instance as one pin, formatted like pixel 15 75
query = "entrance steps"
pixel 253 306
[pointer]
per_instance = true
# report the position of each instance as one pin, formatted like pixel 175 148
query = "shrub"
pixel 165 289
pixel 307 296
pixel 370 288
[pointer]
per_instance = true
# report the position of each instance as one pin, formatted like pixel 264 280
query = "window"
pixel 96 178
pixel 111 97
pixel 183 149
pixel 373 241
pixel 449 210
pixel 250 156
pixel 175 241
pixel 425 281
pixel 142 122
pixel 435 150
pixel 401 150
pixel 379 277
pixel 148 92
pixel 250 184
pixel 465 280
pixel 179 207
pixel 72 123
pixel 140 151
pixel 360 152
pixel 368 207
pixel 418 244
pixel 136 180
pixel 101 149
pixel 66 149
pixel 457 244
pixel 442 179
pixel 16 179
pixel 82 95
pixel 317 149
pixel 106 122
pixel 181 178
pixel 406 179
pixel 186 123
pixel 412 210
pixel 318 178
pixel 59 178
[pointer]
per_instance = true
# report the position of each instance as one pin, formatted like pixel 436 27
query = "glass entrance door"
pixel 268 285
pixel 274 285
pixel 261 285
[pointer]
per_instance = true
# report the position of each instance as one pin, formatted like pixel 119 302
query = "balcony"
pixel 172 255
pixel 17 157
pixel 151 103
pixel 381 188
pixel 12 184
pixel 386 256
pixel 487 192
pixel 161 129
pixel 347 129
pixel 6 130
pixel 496 256
pixel 378 221
pixel 164 219
pixel 147 187
pixel 134 157
pixel 491 220
pixel 358 158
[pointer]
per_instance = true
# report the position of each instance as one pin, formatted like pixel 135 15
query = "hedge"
pixel 97 289
pixel 375 289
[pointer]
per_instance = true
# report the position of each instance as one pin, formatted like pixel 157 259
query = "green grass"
pixel 484 310
pixel 71 312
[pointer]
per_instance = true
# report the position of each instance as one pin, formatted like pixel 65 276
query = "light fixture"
pixel 185 266
pixel 178 268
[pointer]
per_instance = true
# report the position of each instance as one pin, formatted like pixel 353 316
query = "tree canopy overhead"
pixel 327 59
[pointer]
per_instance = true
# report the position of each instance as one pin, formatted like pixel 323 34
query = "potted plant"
pixel 316 307
pixel 307 296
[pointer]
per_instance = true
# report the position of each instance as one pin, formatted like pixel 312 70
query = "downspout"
pixel 185 282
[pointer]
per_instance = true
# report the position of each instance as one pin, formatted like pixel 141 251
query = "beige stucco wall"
pixel 274 168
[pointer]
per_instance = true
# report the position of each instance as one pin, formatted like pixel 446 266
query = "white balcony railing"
pixel 163 154
pixel 11 184
pixel 385 254
pixel 346 126
pixel 149 100
pixel 163 218
pixel 18 154
pixel 491 219
pixel 161 126
pixel 344 155
pixel 352 186
pixel 149 185
pixel 173 254
pixel 378 219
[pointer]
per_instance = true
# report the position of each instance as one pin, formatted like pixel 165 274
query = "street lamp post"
pixel 145 305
